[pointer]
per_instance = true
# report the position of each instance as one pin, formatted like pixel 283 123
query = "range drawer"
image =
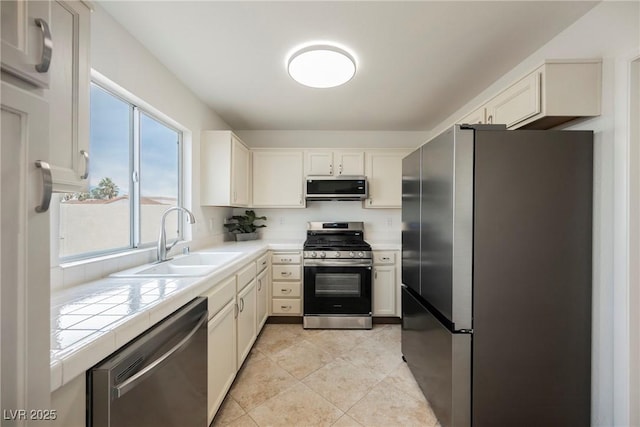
pixel 286 289
pixel 286 306
pixel 286 258
pixel 285 272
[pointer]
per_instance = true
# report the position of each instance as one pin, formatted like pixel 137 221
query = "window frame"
pixel 137 107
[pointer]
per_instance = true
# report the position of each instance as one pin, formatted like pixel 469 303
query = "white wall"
pixel 381 225
pixel 609 31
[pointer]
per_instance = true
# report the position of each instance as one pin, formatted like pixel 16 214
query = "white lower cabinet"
pixel 384 283
pixel 221 344
pixel 246 301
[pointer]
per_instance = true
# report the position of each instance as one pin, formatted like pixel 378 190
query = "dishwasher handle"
pixel 121 389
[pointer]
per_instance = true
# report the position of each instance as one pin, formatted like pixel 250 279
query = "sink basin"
pixel 192 265
pixel 168 269
pixel 205 258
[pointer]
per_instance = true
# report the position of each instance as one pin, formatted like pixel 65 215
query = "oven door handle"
pixel 337 263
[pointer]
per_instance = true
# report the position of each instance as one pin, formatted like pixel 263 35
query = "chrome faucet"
pixel 163 248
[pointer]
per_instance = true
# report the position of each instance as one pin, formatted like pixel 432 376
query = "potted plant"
pixel 243 227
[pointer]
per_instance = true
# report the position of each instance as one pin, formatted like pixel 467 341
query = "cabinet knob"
pixel 490 119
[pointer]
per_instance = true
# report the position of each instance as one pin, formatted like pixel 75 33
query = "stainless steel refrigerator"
pixel 496 270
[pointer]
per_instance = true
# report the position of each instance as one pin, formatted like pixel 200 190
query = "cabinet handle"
pixel 285 273
pixel 340 169
pixel 47 186
pixel 259 284
pixel 264 263
pixel 370 201
pixel 47 46
pixel 375 274
pixel 330 169
pixel 235 195
pixel 85 154
pixel 285 290
pixel 236 310
pixel 241 305
pixel 385 258
pixel 490 119
pixel 285 307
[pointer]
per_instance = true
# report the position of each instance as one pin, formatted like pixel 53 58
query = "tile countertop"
pixel 93 320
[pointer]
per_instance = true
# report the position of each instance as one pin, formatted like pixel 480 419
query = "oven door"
pixel 334 288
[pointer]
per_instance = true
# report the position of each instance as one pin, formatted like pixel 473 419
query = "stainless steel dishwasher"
pixel 159 379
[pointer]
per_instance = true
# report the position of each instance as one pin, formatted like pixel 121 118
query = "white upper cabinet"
pixel 27 46
pixel 477 117
pixel 69 95
pixel 384 175
pixel 319 163
pixel 278 179
pixel 224 169
pixel 554 93
pixel 517 103
pixel 349 163
pixel 334 163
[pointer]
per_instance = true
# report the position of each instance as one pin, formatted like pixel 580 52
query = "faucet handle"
pixel 186 250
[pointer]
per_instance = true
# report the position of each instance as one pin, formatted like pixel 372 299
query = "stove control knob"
pixel 352 254
pixel 361 254
pixel 337 254
pixel 322 255
pixel 314 254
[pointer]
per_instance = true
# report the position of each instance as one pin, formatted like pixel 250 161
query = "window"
pixel 135 176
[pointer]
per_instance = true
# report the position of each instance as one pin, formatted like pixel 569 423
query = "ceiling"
pixel 418 61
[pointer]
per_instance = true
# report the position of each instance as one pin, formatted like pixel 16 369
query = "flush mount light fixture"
pixel 321 66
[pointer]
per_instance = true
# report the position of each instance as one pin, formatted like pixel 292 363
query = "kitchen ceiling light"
pixel 321 66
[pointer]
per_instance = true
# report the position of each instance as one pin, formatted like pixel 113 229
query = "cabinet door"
pixel 24 255
pixel 221 355
pixel 384 291
pixel 262 297
pixel 69 93
pixel 23 40
pixel 349 163
pixel 519 102
pixel 246 320
pixel 278 179
pixel 240 173
pixel 477 117
pixel 319 163
pixel 384 174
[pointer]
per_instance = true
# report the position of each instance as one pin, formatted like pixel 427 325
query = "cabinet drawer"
pixel 286 289
pixel 286 306
pixel 384 257
pixel 220 295
pixel 286 272
pixel 262 262
pixel 286 258
pixel 246 275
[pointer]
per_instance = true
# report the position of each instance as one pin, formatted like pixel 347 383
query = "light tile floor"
pixel 297 377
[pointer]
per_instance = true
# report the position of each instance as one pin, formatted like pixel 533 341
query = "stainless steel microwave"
pixel 344 187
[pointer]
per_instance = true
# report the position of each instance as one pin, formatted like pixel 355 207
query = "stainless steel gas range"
pixel 337 276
